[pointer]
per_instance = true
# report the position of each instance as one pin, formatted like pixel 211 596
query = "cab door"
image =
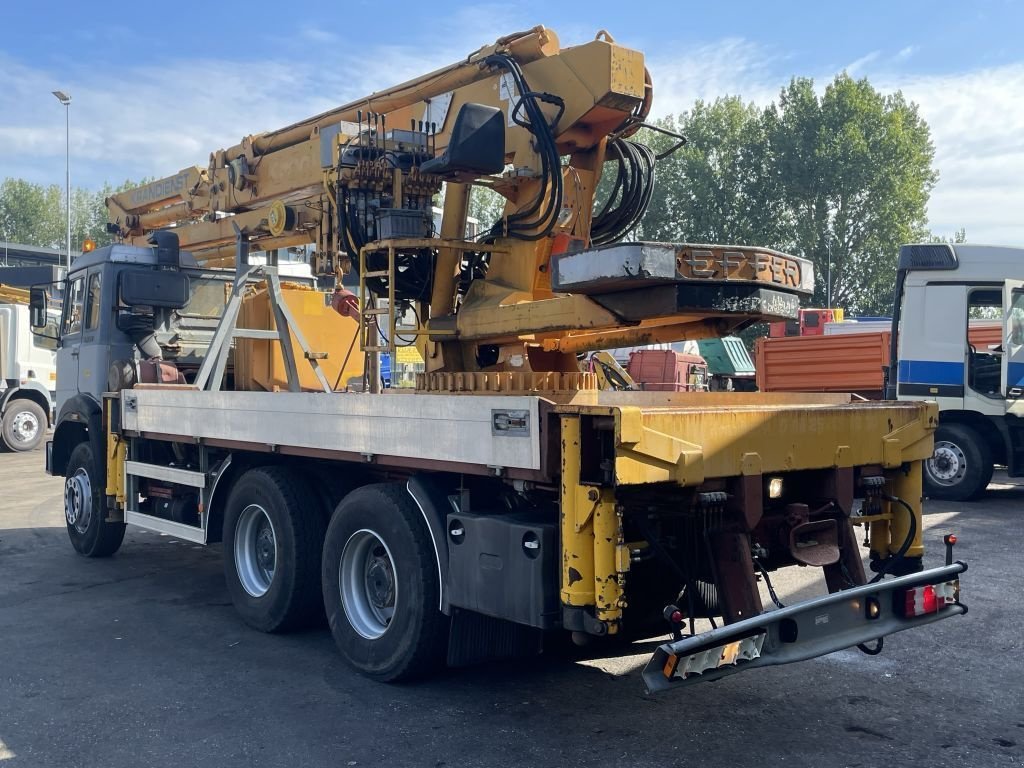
pixel 70 339
pixel 1013 346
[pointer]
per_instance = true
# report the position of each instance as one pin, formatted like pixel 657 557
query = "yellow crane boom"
pixel 536 123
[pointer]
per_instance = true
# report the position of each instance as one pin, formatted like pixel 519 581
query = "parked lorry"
pixel 28 373
pixel 951 340
pixel 665 370
pixel 504 497
pixel 730 368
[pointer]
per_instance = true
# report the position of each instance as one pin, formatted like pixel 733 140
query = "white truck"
pixel 940 290
pixel 28 375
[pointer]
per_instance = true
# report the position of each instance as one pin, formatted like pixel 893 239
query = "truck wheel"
pixel 381 586
pixel 24 425
pixel 85 506
pixel 272 543
pixel 961 467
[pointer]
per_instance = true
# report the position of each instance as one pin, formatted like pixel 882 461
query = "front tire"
pixel 381 586
pixel 272 543
pixel 85 509
pixel 961 467
pixel 24 425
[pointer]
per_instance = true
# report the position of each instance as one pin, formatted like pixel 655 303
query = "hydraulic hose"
pixel 907 542
pixel 887 565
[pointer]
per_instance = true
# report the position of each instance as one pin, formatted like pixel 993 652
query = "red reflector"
pixel 677 617
pixel 928 599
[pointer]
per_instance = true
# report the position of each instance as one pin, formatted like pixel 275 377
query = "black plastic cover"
pixel 927 256
pixel 505 566
pixel 168 252
pixel 477 143
pixel 154 288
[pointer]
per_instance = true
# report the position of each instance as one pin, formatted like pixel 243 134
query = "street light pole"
pixel 828 279
pixel 64 99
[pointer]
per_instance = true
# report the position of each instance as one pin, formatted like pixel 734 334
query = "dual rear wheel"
pixel 372 570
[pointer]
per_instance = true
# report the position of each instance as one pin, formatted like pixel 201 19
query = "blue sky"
pixel 156 87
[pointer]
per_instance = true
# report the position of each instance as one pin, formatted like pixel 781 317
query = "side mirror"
pixel 44 319
pixel 37 308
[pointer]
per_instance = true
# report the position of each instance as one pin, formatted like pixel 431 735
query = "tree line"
pixel 36 214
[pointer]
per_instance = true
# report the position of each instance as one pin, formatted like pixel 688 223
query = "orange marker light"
pixel 89 245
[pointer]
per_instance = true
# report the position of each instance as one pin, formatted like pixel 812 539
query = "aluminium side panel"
pixel 489 430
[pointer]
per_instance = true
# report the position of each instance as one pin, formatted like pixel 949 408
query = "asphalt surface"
pixel 139 660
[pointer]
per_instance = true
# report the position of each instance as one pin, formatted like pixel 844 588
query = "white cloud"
pixel 977 124
pixel 729 67
pixel 857 66
pixel 906 53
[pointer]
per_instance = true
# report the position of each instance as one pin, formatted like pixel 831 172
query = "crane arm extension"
pixel 11 295
pixel 525 47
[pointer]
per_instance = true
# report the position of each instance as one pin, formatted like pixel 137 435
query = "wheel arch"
pixel 431 498
pixel 80 419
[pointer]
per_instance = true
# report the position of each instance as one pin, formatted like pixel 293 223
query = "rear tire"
pixel 24 425
pixel 961 467
pixel 272 544
pixel 85 508
pixel 381 586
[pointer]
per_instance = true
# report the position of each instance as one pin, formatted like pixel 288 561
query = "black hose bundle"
pixel 532 222
pixel 630 196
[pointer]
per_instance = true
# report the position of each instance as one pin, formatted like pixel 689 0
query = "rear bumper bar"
pixel 797 632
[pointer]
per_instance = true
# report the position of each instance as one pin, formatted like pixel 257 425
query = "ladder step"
pixel 378 273
pixel 376 311
pixel 316 355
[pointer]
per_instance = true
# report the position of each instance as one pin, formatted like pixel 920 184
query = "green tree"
pixel 841 178
pixel 855 168
pixel 959 236
pixel 34 214
pixel 31 213
pixel 722 186
pixel 486 206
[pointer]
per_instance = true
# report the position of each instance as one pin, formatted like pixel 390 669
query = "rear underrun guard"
pixel 798 632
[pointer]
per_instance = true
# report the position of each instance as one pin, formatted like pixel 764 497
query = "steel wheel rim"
pixel 255 550
pixel 78 500
pixel 369 584
pixel 25 427
pixel 948 465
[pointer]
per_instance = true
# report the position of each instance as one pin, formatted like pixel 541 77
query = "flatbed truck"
pixel 504 498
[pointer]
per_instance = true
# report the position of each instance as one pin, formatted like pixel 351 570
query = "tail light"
pixel 926 599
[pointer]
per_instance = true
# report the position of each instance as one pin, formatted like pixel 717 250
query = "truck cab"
pixel 958 338
pixel 130 314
